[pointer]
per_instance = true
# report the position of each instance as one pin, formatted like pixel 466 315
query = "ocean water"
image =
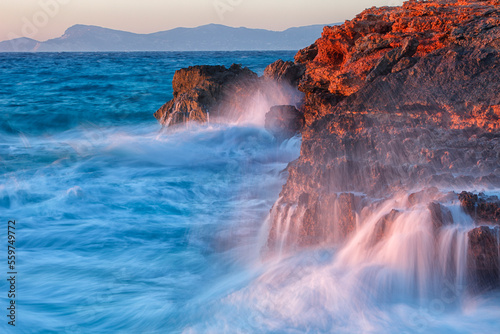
pixel 124 228
pixel 120 226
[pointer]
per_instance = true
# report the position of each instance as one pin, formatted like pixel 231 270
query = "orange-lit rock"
pixel 396 44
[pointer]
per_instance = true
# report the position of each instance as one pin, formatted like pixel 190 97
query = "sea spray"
pixel 268 94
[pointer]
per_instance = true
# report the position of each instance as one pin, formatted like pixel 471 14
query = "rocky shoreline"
pixel 398 100
pixel 203 93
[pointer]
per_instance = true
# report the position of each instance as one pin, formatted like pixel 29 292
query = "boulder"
pixel 440 216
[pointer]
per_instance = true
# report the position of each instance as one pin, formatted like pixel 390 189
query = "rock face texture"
pixel 418 58
pixel 284 71
pixel 397 98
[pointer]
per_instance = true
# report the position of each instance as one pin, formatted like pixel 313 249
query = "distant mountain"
pixel 22 44
pixel 211 37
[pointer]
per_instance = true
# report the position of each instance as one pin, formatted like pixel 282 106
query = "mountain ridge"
pixel 210 37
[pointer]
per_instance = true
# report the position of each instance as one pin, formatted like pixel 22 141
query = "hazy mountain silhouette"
pixel 211 37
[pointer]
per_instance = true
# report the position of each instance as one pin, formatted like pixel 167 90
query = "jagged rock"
pixel 215 93
pixel 285 72
pixel 423 195
pixel 485 209
pixel 440 216
pixel 483 264
pixel 403 64
pixel 284 122
pixel 199 90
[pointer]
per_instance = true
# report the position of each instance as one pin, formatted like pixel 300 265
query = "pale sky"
pixel 45 19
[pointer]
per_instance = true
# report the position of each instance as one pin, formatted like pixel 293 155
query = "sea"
pixel 124 227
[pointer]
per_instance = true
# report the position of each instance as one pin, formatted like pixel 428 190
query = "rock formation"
pixel 484 209
pixel 395 98
pixel 416 58
pixel 204 91
pixel 284 71
pixel 483 258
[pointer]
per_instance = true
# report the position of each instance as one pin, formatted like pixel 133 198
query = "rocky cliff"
pixel 398 100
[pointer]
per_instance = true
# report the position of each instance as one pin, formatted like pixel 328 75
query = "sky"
pixel 45 19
